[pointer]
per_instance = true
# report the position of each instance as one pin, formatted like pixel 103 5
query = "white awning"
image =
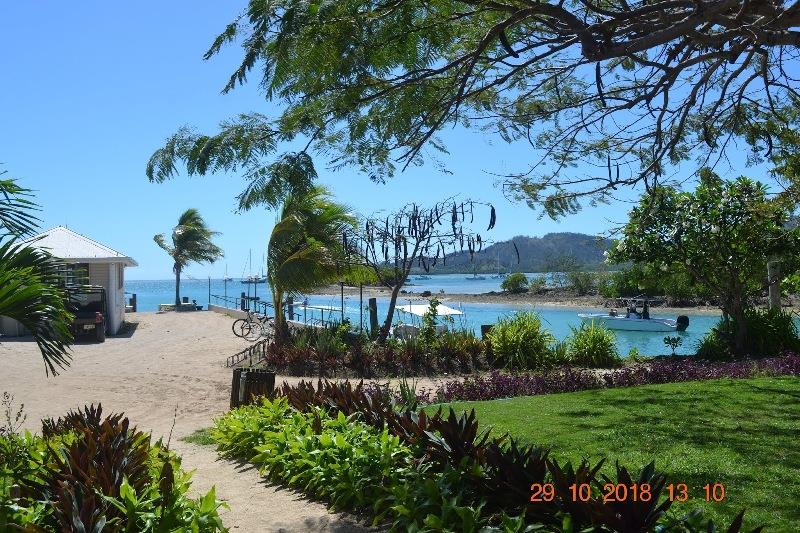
pixel 421 309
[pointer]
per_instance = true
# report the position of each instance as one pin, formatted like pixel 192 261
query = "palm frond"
pixel 29 293
pixel 305 246
pixel 16 209
pixel 191 241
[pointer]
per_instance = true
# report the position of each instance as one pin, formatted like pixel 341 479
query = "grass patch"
pixel 742 433
pixel 201 437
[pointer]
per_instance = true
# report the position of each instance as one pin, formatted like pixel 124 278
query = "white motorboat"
pixel 635 323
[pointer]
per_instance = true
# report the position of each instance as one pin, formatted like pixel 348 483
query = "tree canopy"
pixel 625 89
pixel 722 234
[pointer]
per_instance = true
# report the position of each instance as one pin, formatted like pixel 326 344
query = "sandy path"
pixel 171 359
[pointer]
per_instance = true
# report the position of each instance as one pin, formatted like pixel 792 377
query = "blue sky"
pixel 90 89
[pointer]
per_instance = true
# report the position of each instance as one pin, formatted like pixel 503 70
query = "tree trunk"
pixel 740 335
pixel 281 327
pixel 177 287
pixel 387 324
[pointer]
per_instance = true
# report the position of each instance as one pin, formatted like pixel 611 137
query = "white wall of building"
pixel 110 276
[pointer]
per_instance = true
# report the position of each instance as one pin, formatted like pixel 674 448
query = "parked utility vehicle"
pixel 88 304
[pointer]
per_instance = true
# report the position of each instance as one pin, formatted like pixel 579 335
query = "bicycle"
pixel 251 328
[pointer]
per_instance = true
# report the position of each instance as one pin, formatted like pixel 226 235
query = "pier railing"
pixel 243 303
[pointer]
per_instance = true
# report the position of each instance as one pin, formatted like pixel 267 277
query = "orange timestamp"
pixel 620 492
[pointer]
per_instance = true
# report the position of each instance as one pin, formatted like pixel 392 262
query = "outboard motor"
pixel 682 323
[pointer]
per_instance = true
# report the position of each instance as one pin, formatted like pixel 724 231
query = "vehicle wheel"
pixel 100 332
pixel 254 333
pixel 240 327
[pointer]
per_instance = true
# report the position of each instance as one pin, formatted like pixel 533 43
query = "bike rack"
pixel 257 351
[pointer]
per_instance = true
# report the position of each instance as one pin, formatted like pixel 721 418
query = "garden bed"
pixel 357 449
pixel 497 385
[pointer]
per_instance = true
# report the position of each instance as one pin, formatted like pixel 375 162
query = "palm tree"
pixel 305 248
pixel 191 243
pixel 29 285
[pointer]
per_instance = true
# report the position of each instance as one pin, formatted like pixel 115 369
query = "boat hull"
pixel 630 324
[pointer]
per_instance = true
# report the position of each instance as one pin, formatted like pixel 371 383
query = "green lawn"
pixel 742 433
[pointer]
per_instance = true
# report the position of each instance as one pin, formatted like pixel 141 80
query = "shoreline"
pixel 563 301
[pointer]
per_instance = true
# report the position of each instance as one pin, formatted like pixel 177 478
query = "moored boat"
pixel 635 323
pixel 254 279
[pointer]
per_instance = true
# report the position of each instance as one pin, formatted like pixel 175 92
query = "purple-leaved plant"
pixel 668 370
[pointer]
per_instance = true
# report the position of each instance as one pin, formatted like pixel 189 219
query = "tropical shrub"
pixel 427 332
pixel 462 348
pixel 520 342
pixel 89 473
pixel 593 346
pixel 582 282
pixel 537 284
pixel 769 333
pixel 335 351
pixel 328 455
pixel 515 283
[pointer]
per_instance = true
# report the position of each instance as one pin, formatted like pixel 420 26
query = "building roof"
pixel 73 247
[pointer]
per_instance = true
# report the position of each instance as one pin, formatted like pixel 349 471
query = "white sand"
pixel 171 359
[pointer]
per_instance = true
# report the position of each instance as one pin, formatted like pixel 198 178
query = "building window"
pixel 120 273
pixel 73 274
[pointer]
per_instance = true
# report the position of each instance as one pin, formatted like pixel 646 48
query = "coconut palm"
pixel 191 243
pixel 29 285
pixel 305 248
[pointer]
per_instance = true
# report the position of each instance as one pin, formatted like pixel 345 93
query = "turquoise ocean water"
pixel 150 293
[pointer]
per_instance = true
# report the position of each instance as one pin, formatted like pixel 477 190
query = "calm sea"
pixel 150 293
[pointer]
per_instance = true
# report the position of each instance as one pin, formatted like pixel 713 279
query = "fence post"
pixel 241 302
pixel 133 302
pixel 235 383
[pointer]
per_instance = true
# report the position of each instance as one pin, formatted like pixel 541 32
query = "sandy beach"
pixel 166 362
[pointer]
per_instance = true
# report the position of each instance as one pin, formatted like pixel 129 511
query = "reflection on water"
pixel 151 293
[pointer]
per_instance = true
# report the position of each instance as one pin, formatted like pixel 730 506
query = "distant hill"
pixel 552 252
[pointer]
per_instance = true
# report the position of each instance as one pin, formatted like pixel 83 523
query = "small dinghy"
pixel 632 320
pixel 635 323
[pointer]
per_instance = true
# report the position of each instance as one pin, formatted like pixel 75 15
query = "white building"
pixel 84 258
